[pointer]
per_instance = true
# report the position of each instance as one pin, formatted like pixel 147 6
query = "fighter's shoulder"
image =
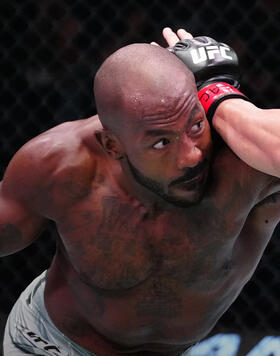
pixel 57 151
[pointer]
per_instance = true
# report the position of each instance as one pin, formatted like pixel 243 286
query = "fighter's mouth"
pixel 190 183
pixel 194 174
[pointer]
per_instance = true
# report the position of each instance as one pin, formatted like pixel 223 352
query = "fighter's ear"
pixel 110 143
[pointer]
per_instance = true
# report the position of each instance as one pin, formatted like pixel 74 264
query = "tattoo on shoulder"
pixel 75 190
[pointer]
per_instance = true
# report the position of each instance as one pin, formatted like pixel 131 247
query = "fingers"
pixel 170 37
pixel 184 35
pixel 154 43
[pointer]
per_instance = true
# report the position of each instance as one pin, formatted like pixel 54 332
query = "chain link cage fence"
pixel 50 51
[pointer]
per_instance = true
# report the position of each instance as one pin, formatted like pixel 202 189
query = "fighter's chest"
pixel 117 245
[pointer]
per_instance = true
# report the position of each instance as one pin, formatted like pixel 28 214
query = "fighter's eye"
pixel 197 127
pixel 161 144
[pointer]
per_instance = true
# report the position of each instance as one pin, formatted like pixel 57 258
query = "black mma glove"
pixel 215 68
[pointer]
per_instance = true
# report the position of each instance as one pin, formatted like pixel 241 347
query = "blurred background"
pixel 49 53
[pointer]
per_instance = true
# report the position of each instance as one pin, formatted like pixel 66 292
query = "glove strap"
pixel 213 94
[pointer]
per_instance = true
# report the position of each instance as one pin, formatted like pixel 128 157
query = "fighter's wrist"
pixel 212 95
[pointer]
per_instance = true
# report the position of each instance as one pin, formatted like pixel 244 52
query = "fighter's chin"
pixel 188 193
pixel 182 201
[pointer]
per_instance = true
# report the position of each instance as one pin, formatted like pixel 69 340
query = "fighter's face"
pixel 169 152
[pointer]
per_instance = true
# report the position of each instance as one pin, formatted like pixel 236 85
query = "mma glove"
pixel 215 68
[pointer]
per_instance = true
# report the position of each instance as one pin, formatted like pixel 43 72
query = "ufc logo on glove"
pixel 215 68
pixel 209 52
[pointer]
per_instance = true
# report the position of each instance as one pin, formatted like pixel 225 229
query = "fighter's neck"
pixel 138 195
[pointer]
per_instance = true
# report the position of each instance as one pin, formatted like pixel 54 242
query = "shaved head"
pixel 135 78
pixel 154 124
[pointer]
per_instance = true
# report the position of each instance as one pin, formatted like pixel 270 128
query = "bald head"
pixel 135 77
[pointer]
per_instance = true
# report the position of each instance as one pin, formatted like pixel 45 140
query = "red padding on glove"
pixel 213 94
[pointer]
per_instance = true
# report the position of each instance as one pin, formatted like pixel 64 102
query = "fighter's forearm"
pixel 252 133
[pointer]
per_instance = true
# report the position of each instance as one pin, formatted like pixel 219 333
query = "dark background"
pixel 49 53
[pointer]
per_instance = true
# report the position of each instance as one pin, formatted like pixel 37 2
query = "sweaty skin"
pixel 146 263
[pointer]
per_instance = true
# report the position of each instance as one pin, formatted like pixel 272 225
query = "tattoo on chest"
pixel 116 254
pixel 120 224
pixel 117 215
pixel 122 246
pixel 75 190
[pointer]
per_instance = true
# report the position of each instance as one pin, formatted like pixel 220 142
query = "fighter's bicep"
pixel 19 227
pixel 20 221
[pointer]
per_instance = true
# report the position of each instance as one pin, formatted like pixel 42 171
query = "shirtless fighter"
pixel 159 232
